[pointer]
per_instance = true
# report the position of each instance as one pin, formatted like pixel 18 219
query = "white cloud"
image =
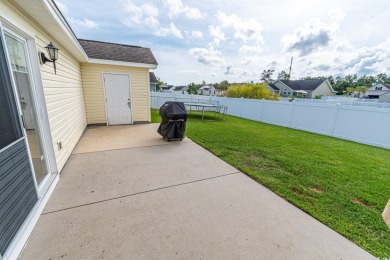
pixel 63 8
pixel 313 35
pixel 246 30
pixel 146 14
pixel 343 45
pixel 208 56
pixel 308 38
pixel 194 14
pixel 135 13
pixel 351 60
pixel 235 36
pixel 86 23
pixel 140 14
pixel 197 34
pixel 336 15
pixel 169 31
pixel 176 7
pixel 230 70
pixel 244 49
pixel 217 35
pixel 213 74
pixel 152 22
pixel 89 24
pixel 149 10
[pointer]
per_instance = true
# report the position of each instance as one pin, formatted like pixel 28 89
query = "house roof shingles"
pixel 307 84
pixel 117 52
pixel 273 86
pixel 178 88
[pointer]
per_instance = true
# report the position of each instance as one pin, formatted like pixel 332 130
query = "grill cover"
pixel 173 120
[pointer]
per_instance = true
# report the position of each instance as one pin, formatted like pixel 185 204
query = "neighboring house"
pixel 167 88
pixel 44 112
pixel 384 98
pixel 207 90
pixel 153 82
pixel 377 90
pixel 181 89
pixel 273 89
pixel 304 88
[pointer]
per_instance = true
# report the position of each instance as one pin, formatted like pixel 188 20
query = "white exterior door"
pixel 118 100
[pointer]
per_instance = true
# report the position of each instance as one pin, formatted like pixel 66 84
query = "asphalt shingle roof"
pixel 117 52
pixel 273 86
pixel 307 84
pixel 177 88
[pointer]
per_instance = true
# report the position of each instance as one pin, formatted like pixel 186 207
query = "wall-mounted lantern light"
pixel 53 54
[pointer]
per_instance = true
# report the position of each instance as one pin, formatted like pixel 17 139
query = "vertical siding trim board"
pixel 105 97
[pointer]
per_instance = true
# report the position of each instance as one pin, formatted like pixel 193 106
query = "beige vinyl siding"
pixel 63 91
pixel 92 77
pixel 322 90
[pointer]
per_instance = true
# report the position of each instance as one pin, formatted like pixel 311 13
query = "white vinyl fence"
pixel 367 125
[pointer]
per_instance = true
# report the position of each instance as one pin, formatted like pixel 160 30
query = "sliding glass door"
pixel 18 56
pixel 18 190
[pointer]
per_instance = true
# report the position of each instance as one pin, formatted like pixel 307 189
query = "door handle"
pixel 129 104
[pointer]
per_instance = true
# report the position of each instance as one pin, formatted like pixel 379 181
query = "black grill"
pixel 173 120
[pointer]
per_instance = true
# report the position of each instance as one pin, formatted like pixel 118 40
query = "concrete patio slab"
pixel 91 177
pixel 227 217
pixel 104 138
pixel 150 199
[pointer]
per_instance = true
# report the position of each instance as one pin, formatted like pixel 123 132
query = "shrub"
pixel 253 91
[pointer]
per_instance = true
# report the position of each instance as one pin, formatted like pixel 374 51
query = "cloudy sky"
pixel 219 40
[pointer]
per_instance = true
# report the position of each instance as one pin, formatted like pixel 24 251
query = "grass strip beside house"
pixel 343 184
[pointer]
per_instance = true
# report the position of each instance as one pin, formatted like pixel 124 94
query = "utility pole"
pixel 289 73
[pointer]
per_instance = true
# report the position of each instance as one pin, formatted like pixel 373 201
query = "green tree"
pixel 283 75
pixel 331 80
pixel 192 88
pixel 383 78
pixel 159 83
pixel 361 89
pixel 266 76
pixel 349 90
pixel 223 86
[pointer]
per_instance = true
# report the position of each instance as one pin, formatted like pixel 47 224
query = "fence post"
pixel 335 119
pixel 292 113
pixel 242 101
pixel 261 110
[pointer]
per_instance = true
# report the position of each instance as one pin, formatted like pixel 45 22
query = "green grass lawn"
pixel 343 184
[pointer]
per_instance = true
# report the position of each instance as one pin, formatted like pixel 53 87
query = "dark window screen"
pixel 9 119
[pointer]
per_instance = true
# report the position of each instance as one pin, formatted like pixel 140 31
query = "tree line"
pixel 346 84
pixel 342 84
